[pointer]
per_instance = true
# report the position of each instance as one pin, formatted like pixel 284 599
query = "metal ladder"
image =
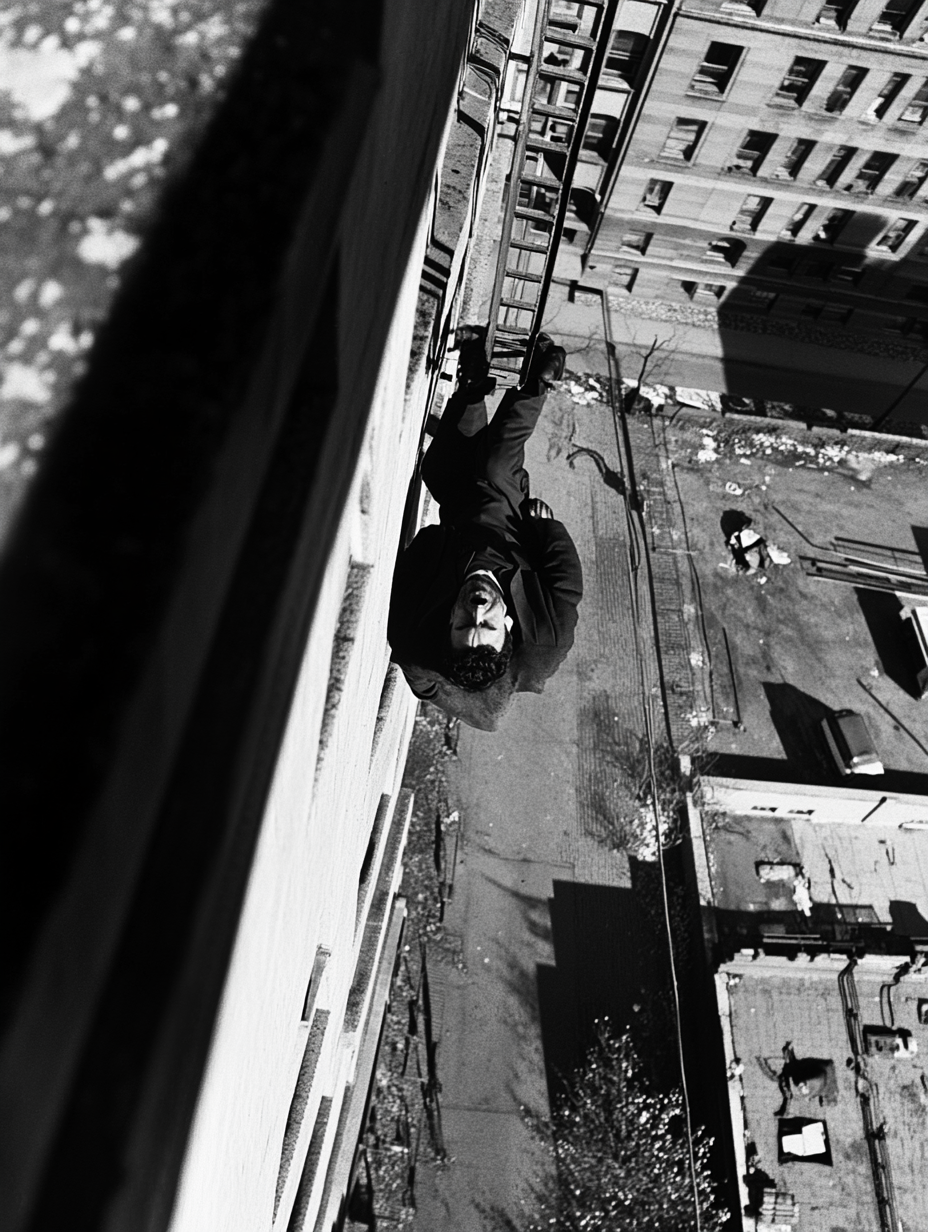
pixel 566 49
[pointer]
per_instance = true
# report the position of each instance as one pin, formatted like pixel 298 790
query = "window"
pixel 749 8
pixel 906 189
pixel 798 221
pixel 834 223
pixel 818 271
pixel 918 292
pixel 835 14
pixel 916 110
pixel 752 211
pixel 600 134
pixel 750 154
pixel 793 161
pixel 847 86
pixel 884 100
pixel 636 241
pixel 760 301
pixel 794 89
pixel 655 195
pixel 893 239
pixel 850 274
pixel 714 75
pixel 836 166
pixel 838 314
pixel 622 277
pixel 894 18
pixel 812 308
pixel 682 139
pixel 870 172
pixel 782 264
pixel 624 57
pixel 728 250
pixel 704 290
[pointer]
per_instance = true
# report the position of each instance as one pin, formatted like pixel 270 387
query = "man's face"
pixel 478 617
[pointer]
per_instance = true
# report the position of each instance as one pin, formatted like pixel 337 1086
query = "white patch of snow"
pixel 122 132
pixel 24 384
pixel 23 290
pixel 39 79
pixel 104 244
pixel 50 293
pixel 13 143
pixel 167 111
pixel 8 455
pixel 142 156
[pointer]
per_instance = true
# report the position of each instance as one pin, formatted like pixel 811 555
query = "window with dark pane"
pixel 725 249
pixel 600 135
pixel 714 74
pixel 845 88
pixel 892 239
pixel 836 166
pixel 886 97
pixel 832 225
pixel 803 73
pixel 915 111
pixel 894 18
pixel 906 189
pixel 625 55
pixel 751 152
pixel 794 158
pixel 752 210
pixel 798 220
pixel 870 172
pixel 834 15
pixel 683 138
pixel 655 195
pixel 636 241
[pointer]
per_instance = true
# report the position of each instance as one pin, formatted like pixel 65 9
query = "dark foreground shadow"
pixel 797 717
pixel 891 637
pixel 611 961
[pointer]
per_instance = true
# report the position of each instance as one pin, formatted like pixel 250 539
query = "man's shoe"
pixel 548 361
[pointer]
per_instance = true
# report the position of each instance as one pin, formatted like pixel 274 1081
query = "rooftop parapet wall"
pixel 848 806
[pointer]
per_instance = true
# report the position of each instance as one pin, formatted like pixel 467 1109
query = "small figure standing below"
pixel 484 604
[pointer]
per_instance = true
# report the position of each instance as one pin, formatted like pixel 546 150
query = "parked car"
pixel 851 744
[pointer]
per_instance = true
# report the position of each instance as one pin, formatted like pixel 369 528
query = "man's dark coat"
pixel 545 582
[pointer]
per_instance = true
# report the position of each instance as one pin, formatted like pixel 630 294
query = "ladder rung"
pixel 528 305
pixel 540 181
pixel 514 331
pixel 526 247
pixel 545 147
pixel 567 38
pixel 524 275
pixel 558 113
pixel 562 74
pixel 522 211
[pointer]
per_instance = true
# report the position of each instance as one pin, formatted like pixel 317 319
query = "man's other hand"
pixel 538 509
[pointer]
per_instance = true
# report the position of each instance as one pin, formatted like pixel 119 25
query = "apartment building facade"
pixel 753 186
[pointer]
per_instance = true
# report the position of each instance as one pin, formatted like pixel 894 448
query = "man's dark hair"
pixel 478 667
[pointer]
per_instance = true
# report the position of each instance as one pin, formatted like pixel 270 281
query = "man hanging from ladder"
pixel 484 604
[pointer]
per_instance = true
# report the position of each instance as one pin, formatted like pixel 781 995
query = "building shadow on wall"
pixel 797 717
pixel 807 286
pixel 891 637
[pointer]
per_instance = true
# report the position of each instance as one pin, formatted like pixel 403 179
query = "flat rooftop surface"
pixel 799 647
pixel 778 1003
